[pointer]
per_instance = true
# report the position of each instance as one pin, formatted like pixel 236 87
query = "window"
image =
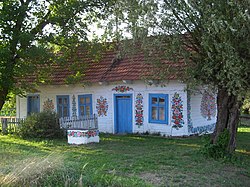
pixel 158 108
pixel 85 105
pixel 62 105
pixel 33 102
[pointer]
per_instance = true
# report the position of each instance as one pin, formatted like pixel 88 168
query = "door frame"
pixel 115 110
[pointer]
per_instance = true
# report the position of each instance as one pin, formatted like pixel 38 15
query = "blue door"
pixel 123 113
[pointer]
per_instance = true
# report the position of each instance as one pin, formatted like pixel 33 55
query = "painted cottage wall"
pixel 181 119
pixel 202 112
pixel 100 93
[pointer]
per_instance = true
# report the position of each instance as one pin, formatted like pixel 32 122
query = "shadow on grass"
pixel 18 145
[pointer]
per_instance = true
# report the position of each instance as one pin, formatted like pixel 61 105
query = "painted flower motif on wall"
pixel 122 89
pixel 190 123
pixel 102 106
pixel 74 106
pixel 139 110
pixel 48 105
pixel 177 111
pixel 208 105
pixel 199 129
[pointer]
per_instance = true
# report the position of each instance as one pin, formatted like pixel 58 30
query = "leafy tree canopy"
pixel 32 30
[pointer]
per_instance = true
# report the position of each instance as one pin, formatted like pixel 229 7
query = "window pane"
pixel 65 111
pixel 154 100
pixel 36 107
pixel 82 110
pixel 60 101
pixel 60 112
pixel 65 101
pixel 154 113
pixel 87 100
pixel 82 100
pixel 33 104
pixel 161 113
pixel 87 110
pixel 162 101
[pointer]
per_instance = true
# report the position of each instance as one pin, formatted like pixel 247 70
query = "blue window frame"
pixel 33 102
pixel 62 105
pixel 158 108
pixel 85 105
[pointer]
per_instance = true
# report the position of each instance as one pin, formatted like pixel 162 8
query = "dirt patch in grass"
pixel 205 174
pixel 152 178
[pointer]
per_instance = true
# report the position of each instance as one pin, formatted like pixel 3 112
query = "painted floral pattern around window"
pixel 189 118
pixel 139 110
pixel 177 111
pixel 74 114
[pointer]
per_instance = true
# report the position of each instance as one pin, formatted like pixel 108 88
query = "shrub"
pixel 41 125
pixel 219 149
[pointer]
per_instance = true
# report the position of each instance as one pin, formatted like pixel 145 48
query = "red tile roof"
pixel 110 69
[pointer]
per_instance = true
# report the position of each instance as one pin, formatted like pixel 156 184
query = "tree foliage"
pixel 31 31
pixel 9 107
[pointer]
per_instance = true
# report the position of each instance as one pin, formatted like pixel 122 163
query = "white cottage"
pixel 124 103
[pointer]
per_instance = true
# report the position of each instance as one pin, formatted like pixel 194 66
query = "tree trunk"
pixel 7 80
pixel 227 118
pixel 233 124
pixel 3 96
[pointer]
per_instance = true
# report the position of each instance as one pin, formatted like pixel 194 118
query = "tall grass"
pixel 31 170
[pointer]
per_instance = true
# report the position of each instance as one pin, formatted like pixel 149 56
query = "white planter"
pixel 78 137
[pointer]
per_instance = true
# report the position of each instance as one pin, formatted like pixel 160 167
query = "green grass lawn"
pixel 121 161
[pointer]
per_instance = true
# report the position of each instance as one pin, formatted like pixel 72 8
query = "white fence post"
pixel 4 125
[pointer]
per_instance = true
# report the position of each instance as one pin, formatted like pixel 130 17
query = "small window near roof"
pixel 158 108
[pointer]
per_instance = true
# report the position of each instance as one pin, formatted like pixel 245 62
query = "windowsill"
pixel 159 122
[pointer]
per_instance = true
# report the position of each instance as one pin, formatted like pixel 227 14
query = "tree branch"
pixel 38 28
pixel 195 39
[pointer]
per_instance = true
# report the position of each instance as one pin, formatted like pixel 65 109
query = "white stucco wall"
pixel 106 123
